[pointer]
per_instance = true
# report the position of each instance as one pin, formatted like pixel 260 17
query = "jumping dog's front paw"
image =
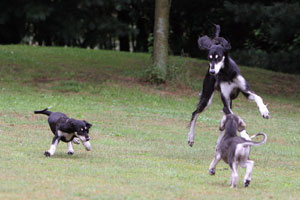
pixel 264 112
pixel 212 172
pixel 247 183
pixel 70 152
pixel 190 140
pixel 266 116
pixel 47 154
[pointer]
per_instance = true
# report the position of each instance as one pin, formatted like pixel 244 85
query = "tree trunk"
pixel 161 32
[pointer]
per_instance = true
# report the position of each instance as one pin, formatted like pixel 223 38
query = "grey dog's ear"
pixel 222 124
pixel 204 42
pixel 224 43
pixel 242 125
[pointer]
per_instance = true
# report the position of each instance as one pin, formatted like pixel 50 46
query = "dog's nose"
pixel 87 138
pixel 212 71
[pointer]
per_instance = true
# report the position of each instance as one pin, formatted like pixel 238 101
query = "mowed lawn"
pixel 139 133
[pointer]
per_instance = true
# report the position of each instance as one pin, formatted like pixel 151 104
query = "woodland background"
pixel 262 33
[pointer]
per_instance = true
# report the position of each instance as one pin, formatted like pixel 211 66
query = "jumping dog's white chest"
pixel 227 88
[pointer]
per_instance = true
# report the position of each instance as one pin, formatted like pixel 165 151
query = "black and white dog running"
pixel 67 130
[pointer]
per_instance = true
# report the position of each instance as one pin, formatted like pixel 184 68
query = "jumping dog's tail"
pixel 250 143
pixel 45 112
pixel 218 30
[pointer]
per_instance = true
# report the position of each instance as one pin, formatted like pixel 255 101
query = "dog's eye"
pixel 216 56
pixel 210 57
pixel 81 129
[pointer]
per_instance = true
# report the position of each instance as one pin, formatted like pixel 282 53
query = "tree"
pixel 161 32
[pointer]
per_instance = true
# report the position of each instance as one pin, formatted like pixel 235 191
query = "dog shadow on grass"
pixel 62 155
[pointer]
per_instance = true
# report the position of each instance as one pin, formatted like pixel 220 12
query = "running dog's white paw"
pixel 76 140
pixel 264 111
pixel 87 145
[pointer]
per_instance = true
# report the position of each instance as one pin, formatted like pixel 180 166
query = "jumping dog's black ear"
pixel 224 43
pixel 222 124
pixel 242 125
pixel 88 125
pixel 205 42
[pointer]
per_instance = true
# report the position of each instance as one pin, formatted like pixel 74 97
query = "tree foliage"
pixel 273 34
pixel 263 33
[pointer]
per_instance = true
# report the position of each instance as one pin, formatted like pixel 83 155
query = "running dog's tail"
pixel 250 143
pixel 45 112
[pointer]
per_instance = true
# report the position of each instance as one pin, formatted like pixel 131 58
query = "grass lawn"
pixel 139 133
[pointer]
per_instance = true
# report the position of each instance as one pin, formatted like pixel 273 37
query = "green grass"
pixel 139 133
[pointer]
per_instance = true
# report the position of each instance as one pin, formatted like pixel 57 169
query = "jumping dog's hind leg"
pixel 214 162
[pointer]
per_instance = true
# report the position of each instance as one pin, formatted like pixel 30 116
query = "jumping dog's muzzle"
pixel 212 70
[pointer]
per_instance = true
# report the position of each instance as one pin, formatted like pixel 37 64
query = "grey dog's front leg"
pixel 214 162
pixel 219 139
pixel 217 158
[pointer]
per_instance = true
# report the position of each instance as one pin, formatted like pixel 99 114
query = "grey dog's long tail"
pixel 251 143
pixel 45 112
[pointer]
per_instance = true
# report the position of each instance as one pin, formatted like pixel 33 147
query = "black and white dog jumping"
pixel 67 130
pixel 223 75
pixel 235 150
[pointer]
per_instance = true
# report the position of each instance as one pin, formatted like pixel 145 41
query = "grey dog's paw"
pixel 212 172
pixel 47 154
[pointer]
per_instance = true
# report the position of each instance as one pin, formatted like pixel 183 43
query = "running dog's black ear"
pixel 88 125
pixel 242 125
pixel 204 42
pixel 222 124
pixel 222 41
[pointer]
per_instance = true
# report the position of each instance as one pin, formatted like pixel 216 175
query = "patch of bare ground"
pixel 278 140
pixel 165 89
